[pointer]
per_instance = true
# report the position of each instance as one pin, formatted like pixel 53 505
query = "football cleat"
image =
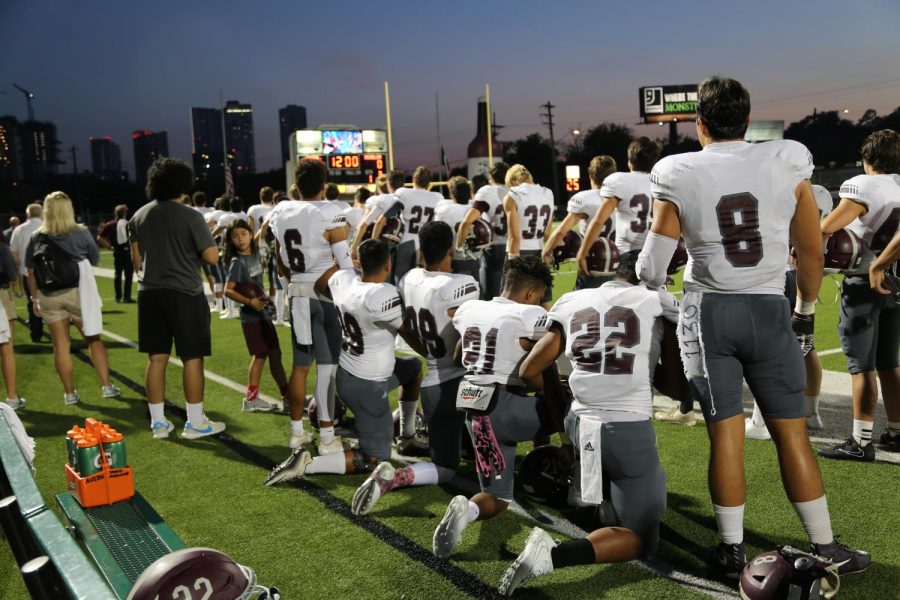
pixel 888 442
pixel 674 415
pixel 110 391
pixel 257 405
pixel 753 432
pixel 850 450
pixel 845 558
pixel 162 429
pixel 814 422
pixel 15 403
pixel 332 447
pixel 206 428
pixel 534 561
pixel 298 439
pixel 72 398
pixel 448 534
pixel 730 559
pixel 294 467
pixel 372 488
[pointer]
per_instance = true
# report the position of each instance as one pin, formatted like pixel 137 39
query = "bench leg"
pixel 13 523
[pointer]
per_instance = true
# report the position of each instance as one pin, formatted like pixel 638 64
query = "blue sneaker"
pixel 207 427
pixel 162 429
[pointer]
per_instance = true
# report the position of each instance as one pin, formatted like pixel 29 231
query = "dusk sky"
pixel 110 67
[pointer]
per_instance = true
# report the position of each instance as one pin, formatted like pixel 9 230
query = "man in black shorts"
pixel 169 241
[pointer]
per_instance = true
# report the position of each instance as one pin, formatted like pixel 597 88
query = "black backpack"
pixel 54 268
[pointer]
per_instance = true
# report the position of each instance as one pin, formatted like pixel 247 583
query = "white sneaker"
pixel 534 561
pixel 257 405
pixel 814 421
pixel 674 415
pixel 162 429
pixel 297 440
pixel 111 391
pixel 192 432
pixel 448 534
pixel 15 403
pixel 230 314
pixel 366 495
pixel 72 398
pixel 332 447
pixel 292 468
pixel 756 433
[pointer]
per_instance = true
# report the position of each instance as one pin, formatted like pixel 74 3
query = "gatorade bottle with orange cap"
pixel 88 455
pixel 114 446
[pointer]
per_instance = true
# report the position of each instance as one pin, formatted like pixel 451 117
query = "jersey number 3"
pixel 738 216
pixel 608 358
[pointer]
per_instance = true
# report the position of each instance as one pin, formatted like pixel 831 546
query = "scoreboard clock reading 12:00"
pixel 355 168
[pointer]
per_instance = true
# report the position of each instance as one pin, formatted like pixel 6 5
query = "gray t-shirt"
pixel 247 268
pixel 78 244
pixel 170 238
pixel 8 268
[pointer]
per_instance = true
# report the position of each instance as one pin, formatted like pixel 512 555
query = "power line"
pixel 549 123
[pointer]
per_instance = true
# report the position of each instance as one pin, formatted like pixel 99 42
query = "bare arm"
pixel 846 211
pixel 379 225
pixel 32 287
pixel 890 254
pixel 542 355
pixel 556 237
pixel 512 224
pixel 210 255
pixel 465 225
pixel 136 257
pixel 806 237
pixel 593 230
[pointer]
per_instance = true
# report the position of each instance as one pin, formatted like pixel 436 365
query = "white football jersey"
pixel 353 215
pixel 824 203
pixel 378 205
pixel 370 315
pixel 418 210
pixel 633 214
pixel 613 342
pixel 587 202
pixel 735 224
pixel 212 217
pixel 534 203
pixel 490 332
pixel 203 210
pixel 880 194
pixel 258 213
pixel 427 296
pixel 299 228
pixel 450 213
pixel 489 200
pixel 228 218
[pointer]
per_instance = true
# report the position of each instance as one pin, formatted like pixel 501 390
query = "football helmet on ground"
pixel 543 476
pixel 788 573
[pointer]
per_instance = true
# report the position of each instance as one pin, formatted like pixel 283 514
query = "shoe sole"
pixel 362 502
pixel 847 457
pixel 164 434
pixel 252 410
pixel 305 459
pixel 508 583
pixel 196 435
pixel 442 544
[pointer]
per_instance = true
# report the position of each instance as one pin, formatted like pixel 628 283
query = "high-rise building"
pixel 207 149
pixel 10 149
pixel 148 146
pixel 290 119
pixel 239 137
pixel 106 158
pixel 40 149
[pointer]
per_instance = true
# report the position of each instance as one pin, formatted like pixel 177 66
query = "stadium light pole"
pixel 387 106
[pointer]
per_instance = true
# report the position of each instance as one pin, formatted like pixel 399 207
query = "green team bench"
pixel 120 540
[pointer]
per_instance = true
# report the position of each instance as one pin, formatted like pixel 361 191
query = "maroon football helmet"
pixel 567 249
pixel 393 229
pixel 843 252
pixel 420 440
pixel 788 573
pixel 543 476
pixel 679 259
pixel 337 419
pixel 603 258
pixel 480 235
pixel 204 573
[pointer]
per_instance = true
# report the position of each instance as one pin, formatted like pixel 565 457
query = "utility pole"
pixel 549 123
pixel 74 152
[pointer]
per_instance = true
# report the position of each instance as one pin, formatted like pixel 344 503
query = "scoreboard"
pixel 354 157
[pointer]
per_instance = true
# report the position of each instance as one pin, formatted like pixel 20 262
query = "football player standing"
pixel 869 325
pixel 529 214
pixel 488 204
pixel 613 337
pixel 431 297
pixel 452 212
pixel 735 321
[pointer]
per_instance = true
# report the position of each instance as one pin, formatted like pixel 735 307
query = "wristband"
pixel 805 307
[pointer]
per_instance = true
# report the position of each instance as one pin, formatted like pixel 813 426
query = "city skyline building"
pixel 40 149
pixel 106 158
pixel 10 149
pixel 290 118
pixel 148 146
pixel 207 149
pixel 239 137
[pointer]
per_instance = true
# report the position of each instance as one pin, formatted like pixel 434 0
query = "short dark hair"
pixel 435 240
pixel 627 270
pixel 220 203
pixel 460 190
pixel 373 255
pixel 311 175
pixel 236 204
pixel 479 180
pixel 121 211
pixel 168 179
pixel 199 199
pixel 422 176
pixel 332 191
pixel 396 179
pixel 362 194
pixel 498 172
pixel 522 271
pixel 643 154
pixel 266 194
pixel 724 105
pixel 601 167
pixel 881 151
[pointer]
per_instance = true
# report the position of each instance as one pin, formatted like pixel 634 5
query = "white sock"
pixel 323 381
pixel 426 473
pixel 328 463
pixel 894 428
pixel 326 435
pixel 157 413
pixel 812 405
pixel 279 305
pixel 815 519
pixel 297 426
pixel 220 303
pixel 195 413
pixel 862 432
pixel 757 417
pixel 408 418
pixel 730 520
pixel 474 511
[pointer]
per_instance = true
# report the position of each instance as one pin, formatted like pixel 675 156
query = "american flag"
pixel 229 178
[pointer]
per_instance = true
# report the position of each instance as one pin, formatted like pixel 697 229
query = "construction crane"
pixel 28 98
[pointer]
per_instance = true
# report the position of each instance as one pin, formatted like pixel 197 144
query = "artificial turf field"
pixel 303 539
